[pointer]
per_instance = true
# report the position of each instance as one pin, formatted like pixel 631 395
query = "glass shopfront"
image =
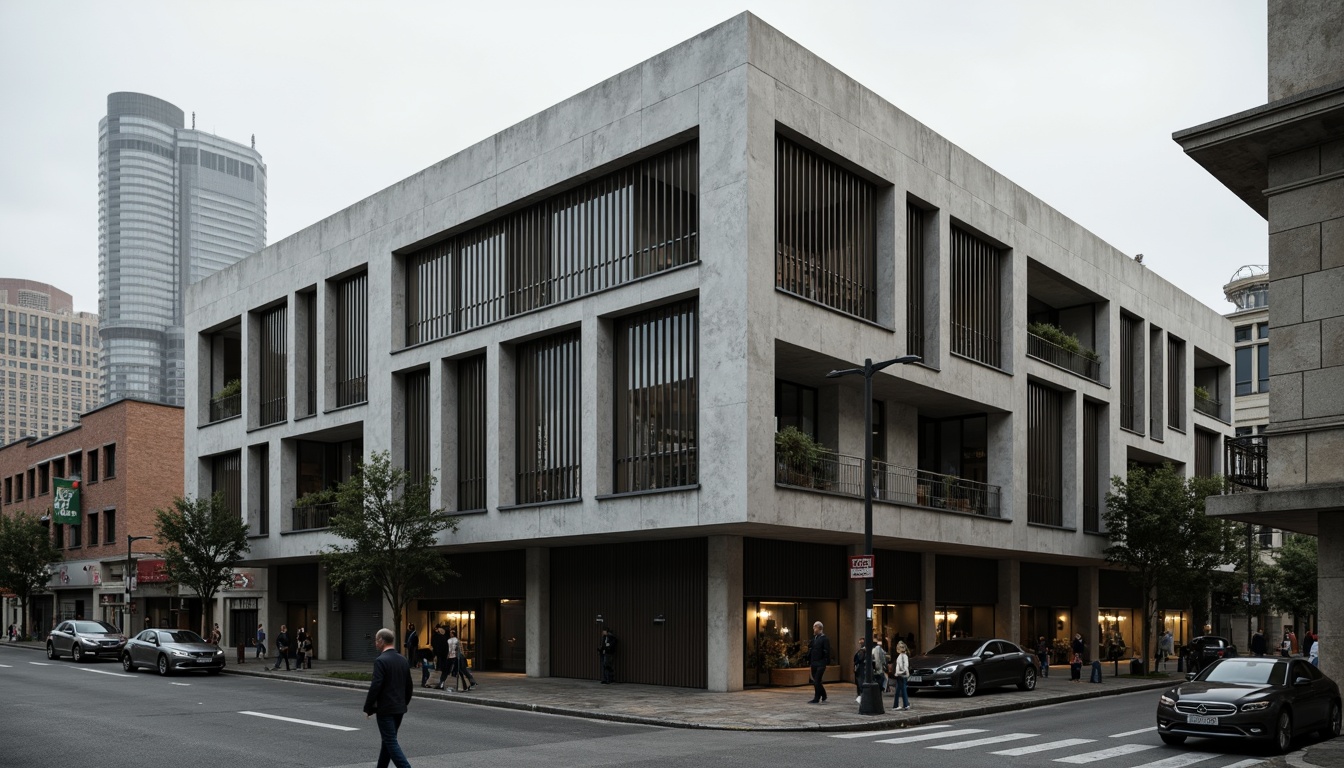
pixel 1115 633
pixel 953 621
pixel 778 634
pixel 1054 623
pixel 896 621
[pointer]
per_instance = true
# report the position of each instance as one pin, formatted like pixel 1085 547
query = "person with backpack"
pixel 606 651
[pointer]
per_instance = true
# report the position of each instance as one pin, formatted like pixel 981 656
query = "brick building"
pixel 128 458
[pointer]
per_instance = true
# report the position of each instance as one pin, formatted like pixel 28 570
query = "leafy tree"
pixel 26 555
pixel 1291 580
pixel 1159 532
pixel 385 516
pixel 202 540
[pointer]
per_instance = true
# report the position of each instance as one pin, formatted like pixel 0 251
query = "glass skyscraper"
pixel 174 205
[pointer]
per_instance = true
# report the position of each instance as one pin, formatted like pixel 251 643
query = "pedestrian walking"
pixel 282 648
pixel 261 642
pixel 439 642
pixel 1043 655
pixel 880 665
pixel 457 656
pixel 389 697
pixel 1314 655
pixel 1076 668
pixel 860 655
pixel 1258 645
pixel 412 641
pixel 1308 640
pixel 818 656
pixel 306 652
pixel 216 636
pixel 606 654
pixel 299 639
pixel 1078 647
pixel 1166 645
pixel 901 674
pixel 1285 646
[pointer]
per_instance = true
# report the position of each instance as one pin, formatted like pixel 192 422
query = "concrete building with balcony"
pixel 593 326
pixel 1285 159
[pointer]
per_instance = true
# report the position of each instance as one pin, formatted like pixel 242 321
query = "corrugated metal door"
pixel 361 618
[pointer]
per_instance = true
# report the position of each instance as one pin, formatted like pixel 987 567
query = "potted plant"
pixel 798 455
pixel 230 389
pixel 1061 338
pixel 1202 394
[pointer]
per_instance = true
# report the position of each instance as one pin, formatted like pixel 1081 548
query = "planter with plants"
pixel 1060 338
pixel 230 389
pixel 799 458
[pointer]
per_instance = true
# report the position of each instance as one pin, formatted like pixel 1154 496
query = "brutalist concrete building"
pixel 598 326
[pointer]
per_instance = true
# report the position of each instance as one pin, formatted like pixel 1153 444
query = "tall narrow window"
pixel 549 402
pixel 471 428
pixel 1093 428
pixel 914 280
pixel 310 337
pixel 1262 367
pixel 1244 373
pixel 352 340
pixel 657 399
pixel 1045 455
pixel 825 231
pixel 429 291
pixel 795 406
pixel 263 492
pixel 274 366
pixel 110 523
pixel 417 424
pixel 1131 340
pixel 1175 383
pixel 1206 446
pixel 975 298
pixel 226 479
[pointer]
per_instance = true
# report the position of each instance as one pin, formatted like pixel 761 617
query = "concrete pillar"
pixel 726 612
pixel 1089 605
pixel 538 609
pixel 328 644
pixel 1008 611
pixel 928 578
pixel 853 626
pixel 1330 600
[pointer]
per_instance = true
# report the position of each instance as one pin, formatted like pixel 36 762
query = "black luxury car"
pixel 80 640
pixel 172 650
pixel 1258 698
pixel 1206 649
pixel 966 665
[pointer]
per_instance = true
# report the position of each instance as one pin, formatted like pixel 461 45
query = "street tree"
pixel 1160 534
pixel 390 529
pixel 1292 579
pixel 202 542
pixel 26 555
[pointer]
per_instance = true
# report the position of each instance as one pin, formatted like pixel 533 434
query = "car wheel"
pixel 77 653
pixel 51 650
pixel 1283 733
pixel 126 662
pixel 968 683
pixel 1173 739
pixel 1028 682
pixel 163 666
pixel 1331 729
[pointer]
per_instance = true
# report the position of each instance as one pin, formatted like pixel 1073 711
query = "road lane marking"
pixel 931 736
pixel 1244 763
pixel 6 666
pixel 39 664
pixel 987 740
pixel 1046 747
pixel 1179 761
pixel 1132 733
pixel 103 672
pixel 187 684
pixel 300 722
pixel 869 734
pixel 1105 754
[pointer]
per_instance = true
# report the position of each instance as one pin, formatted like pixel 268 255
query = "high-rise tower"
pixel 174 204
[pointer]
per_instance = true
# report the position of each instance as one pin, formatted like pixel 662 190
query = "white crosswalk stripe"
pixel 932 736
pixel 987 740
pixel 1244 763
pixel 1046 747
pixel 1179 761
pixel 1133 733
pixel 1105 754
pixel 870 734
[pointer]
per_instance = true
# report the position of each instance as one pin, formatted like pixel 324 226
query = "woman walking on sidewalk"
pixel 902 676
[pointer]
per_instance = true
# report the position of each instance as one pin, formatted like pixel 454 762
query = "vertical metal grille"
pixel 825 232
pixel 1206 447
pixel 1092 430
pixel 310 306
pixel 975 298
pixel 352 340
pixel 1175 383
pixel 417 425
pixel 471 433
pixel 1045 455
pixel 914 280
pixel 1129 335
pixel 657 402
pixel 549 402
pixel 264 491
pixel 226 479
pixel 633 222
pixel 274 366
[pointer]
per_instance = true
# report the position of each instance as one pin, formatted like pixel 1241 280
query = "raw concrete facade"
pixel 1285 159
pixel 733 90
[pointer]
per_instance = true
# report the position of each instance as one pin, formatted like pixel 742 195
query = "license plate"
pixel 207 661
pixel 1202 720
pixel 916 678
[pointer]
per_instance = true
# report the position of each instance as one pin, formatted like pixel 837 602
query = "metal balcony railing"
pixel 1050 352
pixel 1246 460
pixel 313 517
pixel 222 408
pixel 842 474
pixel 1209 406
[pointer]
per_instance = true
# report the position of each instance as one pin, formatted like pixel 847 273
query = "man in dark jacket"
pixel 389 695
pixel 818 656
pixel 439 643
pixel 606 654
pixel 282 647
pixel 1258 645
pixel 412 641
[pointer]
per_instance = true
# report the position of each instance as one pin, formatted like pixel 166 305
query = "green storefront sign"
pixel 65 505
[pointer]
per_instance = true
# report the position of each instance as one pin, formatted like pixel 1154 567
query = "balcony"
pixel 1048 351
pixel 841 474
pixel 1246 460
pixel 313 517
pixel 226 407
pixel 1205 404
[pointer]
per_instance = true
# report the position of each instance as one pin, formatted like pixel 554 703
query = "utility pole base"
pixel 870 700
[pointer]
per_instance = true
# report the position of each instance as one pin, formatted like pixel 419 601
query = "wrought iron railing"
pixel 272 411
pixel 842 474
pixel 352 391
pixel 1246 460
pixel 1209 406
pixel 225 407
pixel 312 517
pixel 1047 351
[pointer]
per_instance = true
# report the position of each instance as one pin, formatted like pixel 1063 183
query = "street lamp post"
pixel 130 566
pixel 870 697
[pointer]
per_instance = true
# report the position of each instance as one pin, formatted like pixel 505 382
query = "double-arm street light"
pixel 130 566
pixel 870 697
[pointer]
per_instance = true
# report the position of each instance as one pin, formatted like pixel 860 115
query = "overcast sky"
pixel 1075 101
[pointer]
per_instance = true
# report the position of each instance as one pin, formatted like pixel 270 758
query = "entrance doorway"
pixel 301 616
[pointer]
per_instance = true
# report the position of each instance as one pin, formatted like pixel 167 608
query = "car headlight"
pixel 219 652
pixel 949 669
pixel 1255 706
pixel 180 653
pixel 1166 701
pixel 87 641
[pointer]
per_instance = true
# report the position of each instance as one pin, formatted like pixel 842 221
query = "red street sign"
pixel 861 566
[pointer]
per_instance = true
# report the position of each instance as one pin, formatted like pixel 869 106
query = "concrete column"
pixel 927 600
pixel 853 625
pixel 328 621
pixel 1330 601
pixel 727 620
pixel 1007 612
pixel 538 609
pixel 1085 614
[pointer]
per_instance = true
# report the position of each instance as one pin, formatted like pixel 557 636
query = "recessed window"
pixel 657 399
pixel 550 407
pixel 1243 333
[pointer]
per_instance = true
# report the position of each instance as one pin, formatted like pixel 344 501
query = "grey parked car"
pixel 172 650
pixel 966 665
pixel 80 640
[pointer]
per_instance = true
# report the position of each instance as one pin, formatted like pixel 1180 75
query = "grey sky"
pixel 1075 101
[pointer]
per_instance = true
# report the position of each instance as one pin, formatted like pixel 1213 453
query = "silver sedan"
pixel 172 650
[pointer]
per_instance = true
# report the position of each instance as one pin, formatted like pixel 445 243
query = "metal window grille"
pixel 1175 383
pixel 417 425
pixel 264 490
pixel 657 398
pixel 310 309
pixel 1045 455
pixel 226 480
pixel 273 366
pixel 548 419
pixel 1206 447
pixel 471 429
pixel 1092 431
pixel 352 340
pixel 976 300
pixel 825 232
pixel 1129 339
pixel 914 280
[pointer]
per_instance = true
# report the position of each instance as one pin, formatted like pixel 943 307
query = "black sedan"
pixel 966 665
pixel 172 650
pixel 1206 649
pixel 80 640
pixel 1263 699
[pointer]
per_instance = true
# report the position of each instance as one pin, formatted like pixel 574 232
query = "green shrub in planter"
pixel 230 389
pixel 1059 338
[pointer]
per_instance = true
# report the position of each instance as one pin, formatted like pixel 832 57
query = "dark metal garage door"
pixel 361 617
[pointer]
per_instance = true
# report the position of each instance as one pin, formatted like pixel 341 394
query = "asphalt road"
pixel 62 714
